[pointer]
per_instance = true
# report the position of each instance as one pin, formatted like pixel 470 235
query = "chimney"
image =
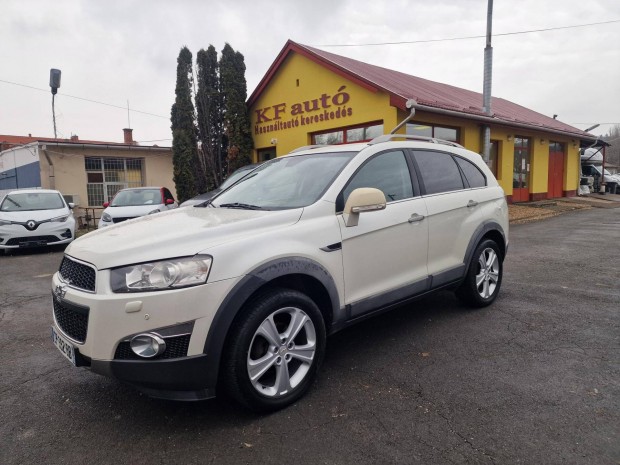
pixel 74 138
pixel 128 137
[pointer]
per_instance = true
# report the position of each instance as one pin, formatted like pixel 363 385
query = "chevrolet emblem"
pixel 59 291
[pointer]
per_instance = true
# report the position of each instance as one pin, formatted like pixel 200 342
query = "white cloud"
pixel 116 51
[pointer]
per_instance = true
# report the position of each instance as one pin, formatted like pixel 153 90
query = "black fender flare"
pixel 477 236
pixel 248 285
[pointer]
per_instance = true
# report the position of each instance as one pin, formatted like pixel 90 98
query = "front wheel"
pixel 275 350
pixel 484 276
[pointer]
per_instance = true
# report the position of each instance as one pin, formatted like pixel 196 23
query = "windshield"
pixel 235 176
pixel 23 202
pixel 134 197
pixel 282 183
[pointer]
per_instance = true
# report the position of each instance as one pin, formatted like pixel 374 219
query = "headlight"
pixel 106 217
pixel 4 222
pixel 165 274
pixel 59 219
pixel 154 211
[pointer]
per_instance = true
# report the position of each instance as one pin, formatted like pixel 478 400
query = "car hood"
pixel 132 210
pixel 36 215
pixel 176 233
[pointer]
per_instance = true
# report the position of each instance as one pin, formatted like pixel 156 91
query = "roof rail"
pixel 309 147
pixel 389 137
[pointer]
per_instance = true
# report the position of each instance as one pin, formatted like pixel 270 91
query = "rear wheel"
pixel 275 350
pixel 484 276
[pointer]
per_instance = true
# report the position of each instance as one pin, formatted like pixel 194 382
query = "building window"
pixel 106 176
pixel 348 135
pixel 431 130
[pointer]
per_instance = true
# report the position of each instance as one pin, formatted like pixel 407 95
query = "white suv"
pixel 240 292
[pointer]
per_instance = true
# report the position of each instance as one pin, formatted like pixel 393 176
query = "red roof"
pixel 22 140
pixel 403 87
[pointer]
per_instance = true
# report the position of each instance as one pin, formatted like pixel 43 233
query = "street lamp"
pixel 54 84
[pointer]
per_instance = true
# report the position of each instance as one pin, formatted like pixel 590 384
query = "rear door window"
pixel 438 171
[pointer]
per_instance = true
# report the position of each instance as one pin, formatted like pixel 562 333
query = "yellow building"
pixel 309 96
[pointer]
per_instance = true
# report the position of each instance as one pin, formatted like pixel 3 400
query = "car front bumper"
pixel 113 319
pixel 16 236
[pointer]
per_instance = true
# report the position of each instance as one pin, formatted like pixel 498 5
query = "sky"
pixel 123 53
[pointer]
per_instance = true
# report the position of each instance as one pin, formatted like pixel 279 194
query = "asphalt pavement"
pixel 533 379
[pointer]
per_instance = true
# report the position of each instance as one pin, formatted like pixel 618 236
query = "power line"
pixel 85 99
pixel 468 37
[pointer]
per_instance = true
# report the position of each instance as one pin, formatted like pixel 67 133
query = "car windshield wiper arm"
pixel 14 202
pixel 243 206
pixel 204 204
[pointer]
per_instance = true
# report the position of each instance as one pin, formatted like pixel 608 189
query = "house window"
pixel 106 176
pixel 348 135
pixel 431 130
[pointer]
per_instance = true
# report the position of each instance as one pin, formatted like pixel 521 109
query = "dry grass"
pixel 519 214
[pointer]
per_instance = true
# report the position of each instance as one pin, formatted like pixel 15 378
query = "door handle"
pixel 415 218
pixel 471 203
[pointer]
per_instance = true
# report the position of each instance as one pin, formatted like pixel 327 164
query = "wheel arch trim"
pixel 247 286
pixel 481 231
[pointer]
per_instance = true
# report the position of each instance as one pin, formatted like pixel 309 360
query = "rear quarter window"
pixel 472 173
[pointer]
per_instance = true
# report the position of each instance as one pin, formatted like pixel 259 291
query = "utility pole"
pixel 486 86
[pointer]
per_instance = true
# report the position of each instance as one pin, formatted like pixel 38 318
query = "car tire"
pixel 484 276
pixel 274 351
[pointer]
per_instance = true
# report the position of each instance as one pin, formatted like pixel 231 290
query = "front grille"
pixel 119 220
pixel 176 347
pixel 72 319
pixel 77 274
pixel 26 240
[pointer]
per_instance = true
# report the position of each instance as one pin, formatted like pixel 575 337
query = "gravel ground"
pixel 520 214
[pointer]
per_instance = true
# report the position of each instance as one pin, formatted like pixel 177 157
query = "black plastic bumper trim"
pixel 182 374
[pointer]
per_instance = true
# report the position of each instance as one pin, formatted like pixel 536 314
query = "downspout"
pixel 411 104
pixel 52 178
pixel 603 183
pixel 486 86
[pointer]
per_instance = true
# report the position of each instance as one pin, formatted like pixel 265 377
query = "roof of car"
pixel 34 191
pixel 143 188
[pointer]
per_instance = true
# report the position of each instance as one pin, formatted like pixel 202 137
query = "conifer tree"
pixel 236 118
pixel 209 110
pixel 184 141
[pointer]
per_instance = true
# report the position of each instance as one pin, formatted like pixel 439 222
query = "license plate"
pixel 65 347
pixel 27 244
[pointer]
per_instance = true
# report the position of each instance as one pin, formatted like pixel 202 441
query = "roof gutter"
pixel 103 146
pixel 491 119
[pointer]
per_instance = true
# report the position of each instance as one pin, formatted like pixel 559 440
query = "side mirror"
pixel 106 204
pixel 169 201
pixel 71 205
pixel 364 199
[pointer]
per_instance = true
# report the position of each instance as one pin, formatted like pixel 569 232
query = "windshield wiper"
pixel 243 206
pixel 14 202
pixel 204 204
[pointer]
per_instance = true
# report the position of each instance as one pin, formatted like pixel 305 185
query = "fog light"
pixel 147 345
pixel 66 234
